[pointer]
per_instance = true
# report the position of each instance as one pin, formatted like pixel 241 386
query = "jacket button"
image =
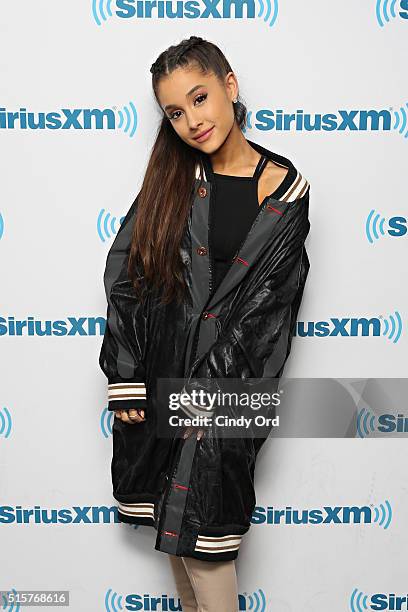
pixel 201 250
pixel 205 315
pixel 202 192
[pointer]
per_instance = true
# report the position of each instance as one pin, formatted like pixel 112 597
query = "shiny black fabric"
pixel 199 495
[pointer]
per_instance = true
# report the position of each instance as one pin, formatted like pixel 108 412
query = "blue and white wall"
pixel 77 119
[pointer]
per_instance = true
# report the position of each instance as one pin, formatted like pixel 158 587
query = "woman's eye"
pixel 200 98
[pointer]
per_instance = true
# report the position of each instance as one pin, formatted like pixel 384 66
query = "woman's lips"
pixel 205 136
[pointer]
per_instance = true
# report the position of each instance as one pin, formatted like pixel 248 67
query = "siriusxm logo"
pixel 71 326
pixel 267 10
pixel 390 327
pixel 368 423
pixel 387 9
pixel 341 120
pixel 113 602
pixel 377 226
pixel 264 119
pixel 11 515
pixel 124 119
pixel 102 11
pixel 340 515
pixel 359 601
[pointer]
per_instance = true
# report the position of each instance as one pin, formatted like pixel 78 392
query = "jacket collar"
pixel 292 187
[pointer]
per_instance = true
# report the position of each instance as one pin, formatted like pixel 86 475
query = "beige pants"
pixel 205 586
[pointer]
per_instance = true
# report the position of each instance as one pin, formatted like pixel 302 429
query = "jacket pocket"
pixel 128 468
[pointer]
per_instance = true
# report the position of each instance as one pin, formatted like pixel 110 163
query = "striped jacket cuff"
pixel 125 395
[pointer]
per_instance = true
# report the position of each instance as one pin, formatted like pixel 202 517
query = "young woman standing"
pixel 203 281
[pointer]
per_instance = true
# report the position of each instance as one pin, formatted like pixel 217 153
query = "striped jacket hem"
pixel 211 544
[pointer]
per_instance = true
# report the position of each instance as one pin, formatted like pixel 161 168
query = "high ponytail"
pixel 167 190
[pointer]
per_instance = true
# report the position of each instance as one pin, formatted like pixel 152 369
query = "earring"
pixel 235 101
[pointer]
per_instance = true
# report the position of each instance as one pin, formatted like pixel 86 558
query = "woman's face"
pixel 195 103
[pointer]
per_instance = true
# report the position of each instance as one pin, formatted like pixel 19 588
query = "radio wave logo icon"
pixel 365 423
pixel 395 226
pixel 383 514
pixel 101 10
pixel 107 225
pixel 5 422
pixel 12 606
pixel 256 602
pixel 270 9
pixel 113 601
pixel 358 601
pixel 248 120
pixel 384 10
pixel 127 119
pixel 392 326
pixel 1 226
pixel 401 120
pixel 374 226
pixel 107 417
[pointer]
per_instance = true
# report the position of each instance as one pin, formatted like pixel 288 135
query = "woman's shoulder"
pixel 295 184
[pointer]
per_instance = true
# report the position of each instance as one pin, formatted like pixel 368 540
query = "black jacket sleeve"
pixel 256 340
pixel 123 347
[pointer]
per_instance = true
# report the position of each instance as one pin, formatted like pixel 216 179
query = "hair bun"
pixel 188 43
pixel 192 42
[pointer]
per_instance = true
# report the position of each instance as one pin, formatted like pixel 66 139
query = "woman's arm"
pixel 123 346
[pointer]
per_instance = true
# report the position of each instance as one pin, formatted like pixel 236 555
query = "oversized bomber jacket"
pixel 199 495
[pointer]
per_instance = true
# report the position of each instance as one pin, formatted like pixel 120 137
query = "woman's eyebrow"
pixel 187 95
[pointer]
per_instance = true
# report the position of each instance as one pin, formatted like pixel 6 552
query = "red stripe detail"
pixel 242 261
pixel 275 209
pixel 212 316
pixel 170 533
pixel 178 486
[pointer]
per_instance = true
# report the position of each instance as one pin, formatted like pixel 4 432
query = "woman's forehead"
pixel 181 84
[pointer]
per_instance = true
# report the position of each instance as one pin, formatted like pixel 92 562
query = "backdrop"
pixel 325 85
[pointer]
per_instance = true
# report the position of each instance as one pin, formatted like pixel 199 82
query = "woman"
pixel 203 281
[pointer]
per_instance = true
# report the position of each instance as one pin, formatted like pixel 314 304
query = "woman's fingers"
pixel 190 429
pixel 136 415
pixel 130 416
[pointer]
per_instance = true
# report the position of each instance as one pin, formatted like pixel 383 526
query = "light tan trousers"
pixel 205 586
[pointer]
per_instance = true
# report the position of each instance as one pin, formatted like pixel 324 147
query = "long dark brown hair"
pixel 165 198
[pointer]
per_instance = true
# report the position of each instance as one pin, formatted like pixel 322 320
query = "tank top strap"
pixel 260 166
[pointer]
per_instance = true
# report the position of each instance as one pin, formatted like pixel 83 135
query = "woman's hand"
pixel 131 416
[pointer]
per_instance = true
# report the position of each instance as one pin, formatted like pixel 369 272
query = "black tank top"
pixel 233 210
